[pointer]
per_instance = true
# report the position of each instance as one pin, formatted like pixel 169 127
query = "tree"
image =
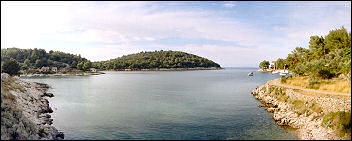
pixel 156 59
pixel 87 65
pixel 74 64
pixel 316 44
pixel 264 64
pixel 11 67
pixel 280 63
pixel 26 64
pixel 80 66
pixel 337 39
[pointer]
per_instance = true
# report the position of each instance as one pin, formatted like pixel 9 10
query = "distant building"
pixel 54 69
pixel 272 64
pixel 93 70
pixel 45 69
pixel 48 69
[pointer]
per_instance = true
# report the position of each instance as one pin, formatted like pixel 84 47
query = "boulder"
pixel 60 135
pixel 48 95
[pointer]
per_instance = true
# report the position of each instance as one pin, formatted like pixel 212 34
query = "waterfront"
pixel 204 104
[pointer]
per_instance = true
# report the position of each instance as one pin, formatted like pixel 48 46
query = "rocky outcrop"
pixel 281 103
pixel 28 100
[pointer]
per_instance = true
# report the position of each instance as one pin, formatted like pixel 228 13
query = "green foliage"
pixel 283 79
pixel 87 65
pixel 11 67
pixel 41 132
pixel 80 66
pixel 264 64
pixel 300 69
pixel 36 58
pixel 156 59
pixel 280 63
pixel 299 106
pixel 327 57
pixel 339 121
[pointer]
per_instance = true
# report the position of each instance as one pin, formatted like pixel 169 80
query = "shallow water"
pixel 204 104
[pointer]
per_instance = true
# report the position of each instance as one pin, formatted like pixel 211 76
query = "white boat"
pixel 250 74
pixel 284 73
pixel 275 72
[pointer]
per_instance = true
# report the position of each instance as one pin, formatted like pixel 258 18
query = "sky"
pixel 233 34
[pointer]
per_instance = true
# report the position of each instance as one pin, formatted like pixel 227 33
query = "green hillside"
pixel 156 59
pixel 36 58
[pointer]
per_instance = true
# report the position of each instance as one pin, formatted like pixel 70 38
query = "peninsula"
pixel 37 62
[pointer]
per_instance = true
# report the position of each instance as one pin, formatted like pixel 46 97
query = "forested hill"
pixel 33 59
pixel 156 59
pixel 36 58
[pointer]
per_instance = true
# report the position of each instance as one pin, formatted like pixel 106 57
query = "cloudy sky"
pixel 237 34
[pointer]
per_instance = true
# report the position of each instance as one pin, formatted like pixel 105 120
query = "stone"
pixel 60 135
pixel 48 95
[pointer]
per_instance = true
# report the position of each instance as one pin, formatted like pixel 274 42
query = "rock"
pixel 272 110
pixel 48 95
pixel 260 106
pixel 4 76
pixel 60 135
pixel 308 128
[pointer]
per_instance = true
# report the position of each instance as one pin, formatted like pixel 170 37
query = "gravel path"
pixel 309 90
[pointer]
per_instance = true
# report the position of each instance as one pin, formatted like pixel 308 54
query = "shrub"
pixel 41 132
pixel 325 73
pixel 299 106
pixel 313 83
pixel 300 69
pixel 11 67
pixel 11 97
pixel 283 79
pixel 339 121
pixel 315 108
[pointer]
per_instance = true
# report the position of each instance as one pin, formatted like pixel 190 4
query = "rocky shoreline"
pixel 281 103
pixel 30 99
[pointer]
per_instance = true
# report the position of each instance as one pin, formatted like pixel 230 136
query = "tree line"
pixel 155 59
pixel 326 57
pixel 33 59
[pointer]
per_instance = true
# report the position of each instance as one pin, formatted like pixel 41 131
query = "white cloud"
pixel 229 5
pixel 28 25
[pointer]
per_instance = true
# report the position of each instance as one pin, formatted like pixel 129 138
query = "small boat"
pixel 274 72
pixel 283 73
pixel 250 74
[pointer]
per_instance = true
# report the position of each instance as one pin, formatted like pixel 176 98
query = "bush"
pixel 283 79
pixel 11 67
pixel 325 73
pixel 41 132
pixel 313 83
pixel 339 121
pixel 300 69
pixel 299 106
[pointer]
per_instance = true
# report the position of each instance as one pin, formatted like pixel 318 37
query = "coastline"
pixel 62 74
pixel 308 122
pixel 168 69
pixel 101 71
pixel 29 101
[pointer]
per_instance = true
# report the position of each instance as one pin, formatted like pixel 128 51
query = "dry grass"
pixel 339 121
pixel 319 94
pixel 329 85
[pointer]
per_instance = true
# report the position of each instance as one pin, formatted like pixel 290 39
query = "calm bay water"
pixel 205 104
